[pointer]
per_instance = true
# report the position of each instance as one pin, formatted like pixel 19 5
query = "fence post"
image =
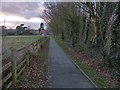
pixel 27 55
pixel 14 76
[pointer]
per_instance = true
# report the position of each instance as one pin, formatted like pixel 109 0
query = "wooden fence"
pixel 19 59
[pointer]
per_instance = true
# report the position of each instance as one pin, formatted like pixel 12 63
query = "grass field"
pixel 16 42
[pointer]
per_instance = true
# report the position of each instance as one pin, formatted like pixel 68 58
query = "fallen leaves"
pixel 36 74
pixel 95 63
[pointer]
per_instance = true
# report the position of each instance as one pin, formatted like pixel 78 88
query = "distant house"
pixel 5 31
pixel 11 31
pixel 34 32
pixel 46 32
pixel 43 32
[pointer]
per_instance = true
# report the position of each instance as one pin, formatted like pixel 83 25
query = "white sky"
pixel 16 13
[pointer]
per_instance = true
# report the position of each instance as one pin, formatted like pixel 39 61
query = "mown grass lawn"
pixel 16 42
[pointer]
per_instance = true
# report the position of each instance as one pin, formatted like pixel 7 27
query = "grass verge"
pixel 90 72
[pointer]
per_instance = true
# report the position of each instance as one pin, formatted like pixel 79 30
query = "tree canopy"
pixel 88 25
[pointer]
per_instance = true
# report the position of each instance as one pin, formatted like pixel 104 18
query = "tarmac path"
pixel 64 74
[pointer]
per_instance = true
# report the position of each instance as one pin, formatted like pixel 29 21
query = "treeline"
pixel 20 30
pixel 92 26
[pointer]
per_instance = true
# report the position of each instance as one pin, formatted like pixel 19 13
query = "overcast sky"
pixel 15 13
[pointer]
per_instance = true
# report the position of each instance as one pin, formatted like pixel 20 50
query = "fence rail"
pixel 18 61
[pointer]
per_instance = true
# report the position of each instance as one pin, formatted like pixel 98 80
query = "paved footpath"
pixel 64 74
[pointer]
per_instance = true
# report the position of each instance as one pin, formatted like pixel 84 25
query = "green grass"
pixel 16 42
pixel 92 73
